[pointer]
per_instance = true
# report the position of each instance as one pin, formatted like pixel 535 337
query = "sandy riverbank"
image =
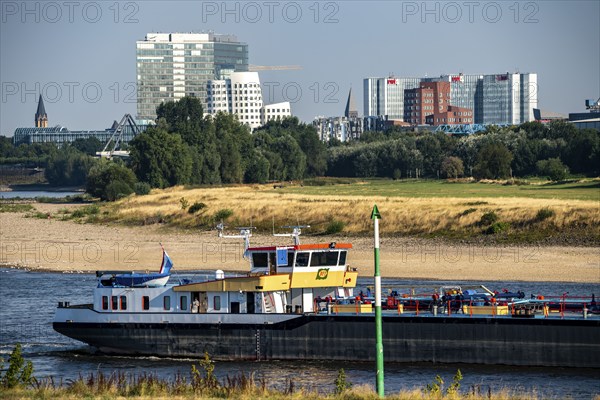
pixel 53 245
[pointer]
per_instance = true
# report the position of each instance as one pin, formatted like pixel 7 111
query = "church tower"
pixel 350 111
pixel 41 118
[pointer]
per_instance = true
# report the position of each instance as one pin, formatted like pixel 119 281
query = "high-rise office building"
pixel 173 65
pixel 385 96
pixel 497 99
pixel 240 93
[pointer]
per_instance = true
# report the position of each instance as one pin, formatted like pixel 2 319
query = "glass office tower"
pixel 173 65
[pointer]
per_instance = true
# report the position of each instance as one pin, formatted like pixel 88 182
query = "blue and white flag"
pixel 167 263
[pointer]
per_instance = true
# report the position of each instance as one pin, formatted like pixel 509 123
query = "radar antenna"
pixel 245 233
pixel 296 232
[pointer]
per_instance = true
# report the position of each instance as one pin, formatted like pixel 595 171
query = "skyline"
pixel 40 52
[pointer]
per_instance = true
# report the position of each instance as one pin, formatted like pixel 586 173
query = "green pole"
pixel 375 216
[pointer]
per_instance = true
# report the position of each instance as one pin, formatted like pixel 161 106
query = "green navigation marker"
pixel 376 216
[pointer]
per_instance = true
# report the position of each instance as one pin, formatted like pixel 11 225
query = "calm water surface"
pixel 30 194
pixel 29 300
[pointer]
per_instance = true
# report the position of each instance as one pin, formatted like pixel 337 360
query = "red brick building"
pixel 428 98
pixel 452 116
pixel 430 104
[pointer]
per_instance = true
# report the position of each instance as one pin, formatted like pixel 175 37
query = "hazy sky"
pixel 81 54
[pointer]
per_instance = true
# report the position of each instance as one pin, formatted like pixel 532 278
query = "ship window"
pixel 342 258
pixel 320 259
pixel 183 303
pixel 146 303
pixel 302 259
pixel 123 302
pixel 167 302
pixel 115 302
pixel 259 260
pixel 105 302
pixel 217 303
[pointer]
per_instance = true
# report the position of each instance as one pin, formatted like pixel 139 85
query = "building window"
pixel 123 302
pixel 217 303
pixel 167 302
pixel 183 303
pixel 145 303
pixel 115 302
pixel 105 302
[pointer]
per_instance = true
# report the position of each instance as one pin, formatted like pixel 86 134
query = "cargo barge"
pixel 298 302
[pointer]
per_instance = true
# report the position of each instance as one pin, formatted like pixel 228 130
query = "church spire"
pixel 41 118
pixel 350 111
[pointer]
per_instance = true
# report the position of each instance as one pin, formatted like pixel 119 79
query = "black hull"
pixel 510 341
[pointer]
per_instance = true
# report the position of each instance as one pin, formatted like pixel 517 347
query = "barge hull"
pixel 478 340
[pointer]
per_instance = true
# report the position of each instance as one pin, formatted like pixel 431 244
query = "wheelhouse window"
pixel 183 303
pixel 115 302
pixel 167 302
pixel 260 260
pixel 146 303
pixel 343 257
pixel 105 302
pixel 302 259
pixel 123 302
pixel 326 258
pixel 217 303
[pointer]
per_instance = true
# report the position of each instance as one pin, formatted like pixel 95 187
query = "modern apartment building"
pixel 173 65
pixel 507 98
pixel 240 93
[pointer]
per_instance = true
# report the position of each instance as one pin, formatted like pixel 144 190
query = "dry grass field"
pixel 450 215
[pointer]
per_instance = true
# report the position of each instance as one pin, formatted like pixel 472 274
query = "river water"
pixel 29 299
pixel 31 194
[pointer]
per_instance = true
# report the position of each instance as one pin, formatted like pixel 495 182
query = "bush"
pixel 184 203
pixel 334 226
pixel 142 188
pixel 553 168
pixel 18 373
pixel 194 208
pixel 467 211
pixel 452 167
pixel 111 174
pixel 223 214
pixel 117 190
pixel 84 211
pixel 543 214
pixel 497 227
pixel 488 218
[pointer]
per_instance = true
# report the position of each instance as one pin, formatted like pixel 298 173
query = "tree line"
pixel 186 147
pixel 554 150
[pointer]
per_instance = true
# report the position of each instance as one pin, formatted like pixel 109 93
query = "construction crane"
pixel 110 149
pixel 256 68
pixel 593 106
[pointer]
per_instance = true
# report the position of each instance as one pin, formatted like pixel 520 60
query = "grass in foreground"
pixel 345 209
pixel 17 382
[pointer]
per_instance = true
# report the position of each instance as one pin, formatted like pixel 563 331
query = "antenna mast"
pixel 296 232
pixel 245 233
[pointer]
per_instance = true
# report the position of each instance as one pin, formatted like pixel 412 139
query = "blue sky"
pixel 81 54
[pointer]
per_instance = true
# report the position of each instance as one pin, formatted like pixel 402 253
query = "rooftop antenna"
pixel 245 233
pixel 296 232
